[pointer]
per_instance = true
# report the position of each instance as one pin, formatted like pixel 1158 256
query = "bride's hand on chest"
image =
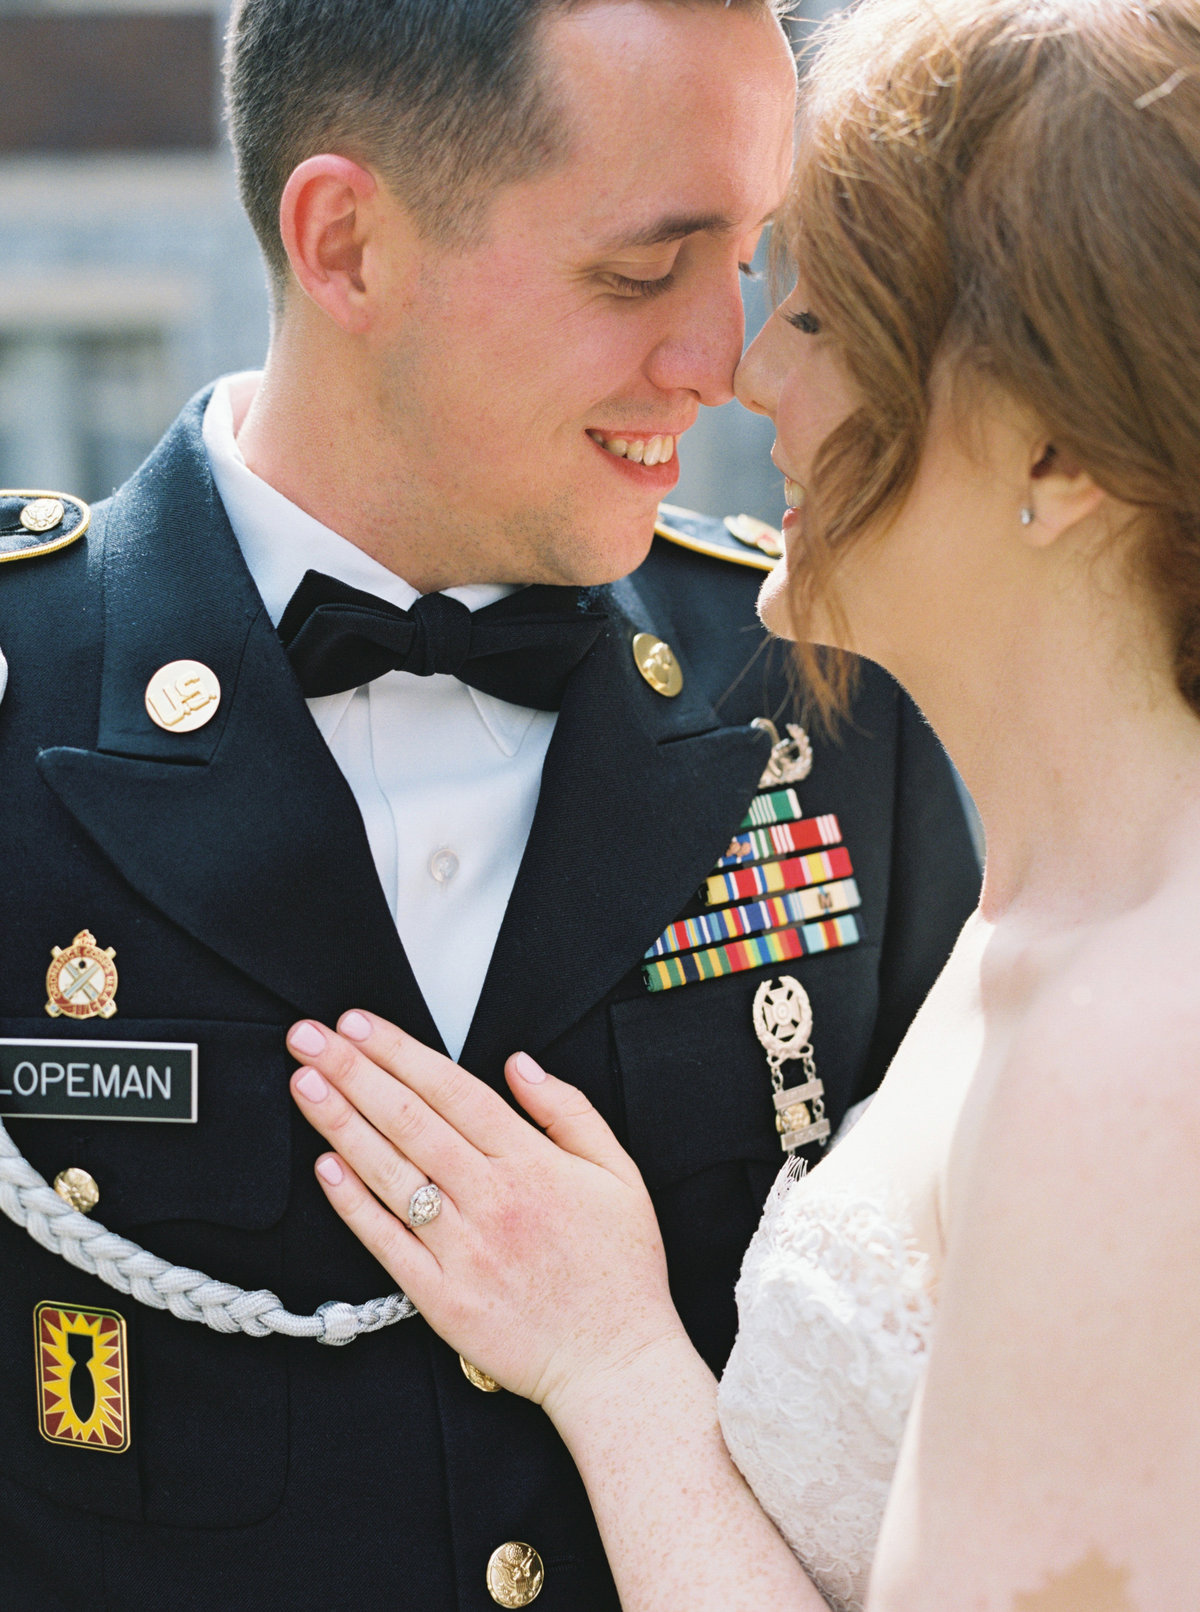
pixel 541 1260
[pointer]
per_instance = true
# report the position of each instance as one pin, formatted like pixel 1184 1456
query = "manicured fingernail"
pixel 306 1038
pixel 330 1170
pixel 355 1025
pixel 528 1070
pixel 313 1087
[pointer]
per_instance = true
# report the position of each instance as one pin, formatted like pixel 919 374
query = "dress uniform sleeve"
pixel 934 886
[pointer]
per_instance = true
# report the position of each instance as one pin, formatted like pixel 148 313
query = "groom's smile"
pixel 534 383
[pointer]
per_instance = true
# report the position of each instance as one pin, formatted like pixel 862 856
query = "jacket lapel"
pixel 246 835
pixel 244 832
pixel 640 796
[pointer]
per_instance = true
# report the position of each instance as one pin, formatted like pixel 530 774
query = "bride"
pixel 968 1369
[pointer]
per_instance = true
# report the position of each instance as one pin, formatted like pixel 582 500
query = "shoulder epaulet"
pixel 741 539
pixel 33 523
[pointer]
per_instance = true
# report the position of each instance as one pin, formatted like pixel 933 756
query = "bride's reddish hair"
pixel 1014 186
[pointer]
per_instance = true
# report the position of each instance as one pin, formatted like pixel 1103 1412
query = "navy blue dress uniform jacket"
pixel 229 869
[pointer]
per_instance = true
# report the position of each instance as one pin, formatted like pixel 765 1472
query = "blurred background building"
pixel 128 274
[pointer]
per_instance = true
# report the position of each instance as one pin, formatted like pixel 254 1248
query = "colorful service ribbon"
pixel 777 806
pixel 730 923
pixel 769 878
pixel 780 839
pixel 782 946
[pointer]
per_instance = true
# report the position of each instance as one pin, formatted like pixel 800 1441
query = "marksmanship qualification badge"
pixel 783 1021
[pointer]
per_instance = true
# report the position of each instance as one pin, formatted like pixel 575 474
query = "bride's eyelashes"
pixel 804 321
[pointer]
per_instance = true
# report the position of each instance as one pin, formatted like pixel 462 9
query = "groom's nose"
pixel 700 346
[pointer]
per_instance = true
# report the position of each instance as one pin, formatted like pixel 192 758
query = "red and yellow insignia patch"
pixel 83 1377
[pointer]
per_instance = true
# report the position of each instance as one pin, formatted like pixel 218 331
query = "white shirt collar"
pixel 280 542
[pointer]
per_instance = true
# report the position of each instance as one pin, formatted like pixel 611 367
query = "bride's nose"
pixel 756 380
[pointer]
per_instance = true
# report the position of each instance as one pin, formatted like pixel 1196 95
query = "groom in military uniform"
pixel 341 700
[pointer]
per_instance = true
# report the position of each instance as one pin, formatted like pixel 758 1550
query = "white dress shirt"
pixel 446 778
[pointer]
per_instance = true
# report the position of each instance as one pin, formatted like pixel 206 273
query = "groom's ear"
pixel 350 244
pixel 1061 495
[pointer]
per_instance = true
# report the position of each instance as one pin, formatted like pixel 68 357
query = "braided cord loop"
pixel 29 1201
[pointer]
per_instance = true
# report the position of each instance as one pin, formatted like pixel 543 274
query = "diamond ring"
pixel 424 1205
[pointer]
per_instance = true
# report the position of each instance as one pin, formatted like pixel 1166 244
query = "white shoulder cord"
pixel 28 1200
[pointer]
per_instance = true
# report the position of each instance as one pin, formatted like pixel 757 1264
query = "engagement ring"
pixel 424 1205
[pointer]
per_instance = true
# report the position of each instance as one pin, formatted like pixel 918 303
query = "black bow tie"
pixel 522 649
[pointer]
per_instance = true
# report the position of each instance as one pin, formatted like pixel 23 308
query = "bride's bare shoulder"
pixel 1088 1084
pixel 1102 1017
pixel 1123 1011
pixel 1062 1400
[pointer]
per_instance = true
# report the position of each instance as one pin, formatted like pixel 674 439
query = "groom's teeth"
pixel 642 451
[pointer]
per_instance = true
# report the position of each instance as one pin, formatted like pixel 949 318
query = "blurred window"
pixel 80 410
pixel 113 81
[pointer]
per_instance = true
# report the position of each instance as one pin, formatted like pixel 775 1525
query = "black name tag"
pixel 148 1080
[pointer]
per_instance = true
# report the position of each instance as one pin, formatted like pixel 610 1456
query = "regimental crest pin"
pixel 81 982
pixel 83 1377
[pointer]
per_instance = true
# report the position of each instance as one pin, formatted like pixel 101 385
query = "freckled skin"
pixel 1094 1585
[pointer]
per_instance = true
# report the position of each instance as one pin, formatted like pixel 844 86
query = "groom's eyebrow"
pixel 675 227
pixel 672 228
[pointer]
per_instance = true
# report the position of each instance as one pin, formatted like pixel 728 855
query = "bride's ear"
pixel 1061 494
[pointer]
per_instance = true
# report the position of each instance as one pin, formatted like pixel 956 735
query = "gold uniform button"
pixel 42 514
pixel 478 1379
pixel 182 696
pixel 515 1574
pixel 78 1188
pixel 657 664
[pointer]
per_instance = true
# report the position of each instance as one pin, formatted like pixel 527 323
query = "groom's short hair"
pixel 445 98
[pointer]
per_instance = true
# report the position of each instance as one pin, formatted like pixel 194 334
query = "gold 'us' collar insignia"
pixel 183 696
pixel 740 539
pixel 656 661
pixel 81 982
pixel 36 522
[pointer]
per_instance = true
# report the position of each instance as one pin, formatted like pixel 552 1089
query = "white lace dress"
pixel 836 1308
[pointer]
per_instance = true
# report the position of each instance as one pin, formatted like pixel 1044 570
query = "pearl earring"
pixel 1027 515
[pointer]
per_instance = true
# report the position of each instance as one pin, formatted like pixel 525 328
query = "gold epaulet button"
pixel 34 522
pixel 740 539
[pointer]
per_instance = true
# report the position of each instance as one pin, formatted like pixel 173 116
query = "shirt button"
pixel 78 1188
pixel 443 865
pixel 515 1574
